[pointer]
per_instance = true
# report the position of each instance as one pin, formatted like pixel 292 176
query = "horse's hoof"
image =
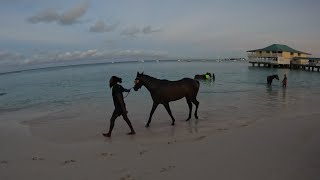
pixel 172 124
pixel 196 117
pixel 188 119
pixel 147 125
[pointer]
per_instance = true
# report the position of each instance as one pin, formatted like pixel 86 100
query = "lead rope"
pixel 128 93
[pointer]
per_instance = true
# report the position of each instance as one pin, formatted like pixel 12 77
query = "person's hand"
pixel 129 90
pixel 125 112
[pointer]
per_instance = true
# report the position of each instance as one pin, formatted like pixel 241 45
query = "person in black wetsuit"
pixel 119 105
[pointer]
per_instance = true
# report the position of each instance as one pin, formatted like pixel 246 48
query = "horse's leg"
pixel 190 108
pixel 154 107
pixel 196 102
pixel 166 105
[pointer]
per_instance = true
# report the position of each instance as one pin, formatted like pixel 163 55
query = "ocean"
pixel 238 95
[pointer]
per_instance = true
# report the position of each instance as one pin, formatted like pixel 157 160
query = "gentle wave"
pixel 234 91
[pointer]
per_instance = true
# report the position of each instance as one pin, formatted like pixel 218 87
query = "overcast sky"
pixel 46 31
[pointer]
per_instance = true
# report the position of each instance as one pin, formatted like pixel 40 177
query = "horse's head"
pixel 138 82
pixel 276 76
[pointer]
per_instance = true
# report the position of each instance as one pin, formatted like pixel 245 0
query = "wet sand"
pixel 56 145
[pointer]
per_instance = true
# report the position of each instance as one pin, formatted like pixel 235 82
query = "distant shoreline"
pixel 116 62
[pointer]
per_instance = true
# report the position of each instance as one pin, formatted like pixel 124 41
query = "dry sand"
pixel 282 147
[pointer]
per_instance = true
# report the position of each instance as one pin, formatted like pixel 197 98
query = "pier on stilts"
pixel 306 67
pixel 283 56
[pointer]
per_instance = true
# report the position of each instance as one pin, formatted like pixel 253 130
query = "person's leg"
pixel 125 117
pixel 112 120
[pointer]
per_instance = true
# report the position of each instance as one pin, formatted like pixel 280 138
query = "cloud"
pixel 7 58
pixel 149 30
pixel 48 15
pixel 68 17
pixel 131 32
pixel 134 31
pixel 72 16
pixel 100 27
pixel 77 55
pixel 132 54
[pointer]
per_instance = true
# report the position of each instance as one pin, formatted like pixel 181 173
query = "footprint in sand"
pixel 171 142
pixel 142 152
pixel 169 168
pixel 37 158
pixel 127 177
pixel 200 138
pixel 4 162
pixel 105 155
pixel 222 129
pixel 244 125
pixel 68 161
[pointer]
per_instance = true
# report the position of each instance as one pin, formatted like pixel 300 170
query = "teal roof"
pixel 279 47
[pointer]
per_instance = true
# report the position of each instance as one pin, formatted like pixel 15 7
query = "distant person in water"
pixel 119 105
pixel 208 75
pixel 284 81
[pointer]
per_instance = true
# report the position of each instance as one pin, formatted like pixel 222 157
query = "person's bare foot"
pixel 131 133
pixel 106 134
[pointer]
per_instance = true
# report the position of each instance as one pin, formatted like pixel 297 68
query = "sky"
pixel 34 32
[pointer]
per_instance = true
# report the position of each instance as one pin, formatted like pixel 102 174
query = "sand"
pixel 270 147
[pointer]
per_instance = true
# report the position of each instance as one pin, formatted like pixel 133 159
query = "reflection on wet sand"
pixel 284 94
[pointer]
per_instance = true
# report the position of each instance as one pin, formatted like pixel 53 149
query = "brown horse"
pixel 270 78
pixel 164 91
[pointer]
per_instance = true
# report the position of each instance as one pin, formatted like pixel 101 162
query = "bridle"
pixel 135 82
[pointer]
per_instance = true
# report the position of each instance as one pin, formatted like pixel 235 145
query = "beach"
pixel 278 146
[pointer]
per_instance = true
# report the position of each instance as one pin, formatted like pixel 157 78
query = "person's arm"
pixel 124 89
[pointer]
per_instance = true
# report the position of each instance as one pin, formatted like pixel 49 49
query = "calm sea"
pixel 238 90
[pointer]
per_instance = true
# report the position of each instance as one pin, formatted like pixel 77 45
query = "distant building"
pixel 278 54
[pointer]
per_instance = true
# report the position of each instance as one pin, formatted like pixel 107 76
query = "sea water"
pixel 238 93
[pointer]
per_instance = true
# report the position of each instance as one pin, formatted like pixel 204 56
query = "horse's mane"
pixel 153 78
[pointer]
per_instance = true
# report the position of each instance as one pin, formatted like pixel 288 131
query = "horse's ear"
pixel 138 73
pixel 142 73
